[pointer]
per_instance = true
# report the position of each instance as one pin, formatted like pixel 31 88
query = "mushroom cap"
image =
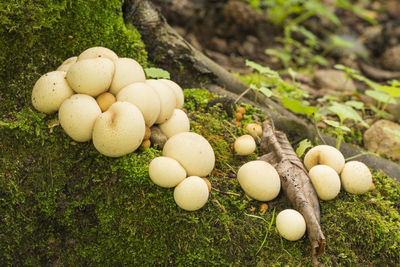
pixel 259 180
pixel 166 172
pixel 192 151
pixel 105 100
pixel 127 71
pixel 191 194
pixel 178 123
pixel 119 130
pixel 167 99
pixel 326 181
pixel 50 91
pixel 77 115
pixel 144 97
pixel 67 64
pixel 325 155
pixel 290 224
pixel 356 177
pixel 244 145
pixel 96 52
pixel 180 98
pixel 91 76
pixel 253 129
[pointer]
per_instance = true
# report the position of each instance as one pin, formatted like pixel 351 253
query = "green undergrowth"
pixel 63 203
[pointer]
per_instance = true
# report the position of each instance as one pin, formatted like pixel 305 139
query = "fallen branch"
pixel 295 183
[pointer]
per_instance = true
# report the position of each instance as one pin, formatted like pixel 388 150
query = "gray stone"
pixel 333 79
pixel 390 59
pixel 384 137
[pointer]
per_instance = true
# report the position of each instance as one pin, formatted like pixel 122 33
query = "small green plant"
pixel 267 227
pixel 303 146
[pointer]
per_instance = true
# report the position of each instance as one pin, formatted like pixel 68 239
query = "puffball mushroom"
pixel 244 145
pixel 167 99
pixel 91 76
pixel 253 129
pixel 178 123
pixel 180 99
pixel 96 52
pixel 166 172
pixel 119 130
pixel 326 181
pixel 259 180
pixel 105 100
pixel 77 115
pixel 145 98
pixel 356 177
pixel 191 194
pixel 67 64
pixel 127 71
pixel 325 155
pixel 290 224
pixel 50 91
pixel 192 151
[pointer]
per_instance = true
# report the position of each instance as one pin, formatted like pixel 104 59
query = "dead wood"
pixel 295 183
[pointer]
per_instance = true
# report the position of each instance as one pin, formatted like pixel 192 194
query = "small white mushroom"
pixel 253 129
pixel 178 123
pixel 167 99
pixel 356 177
pixel 244 145
pixel 166 172
pixel 145 98
pixel 326 181
pixel 127 71
pixel 259 180
pixel 192 151
pixel 191 194
pixel 325 155
pixel 67 64
pixel 290 224
pixel 91 76
pixel 77 115
pixel 119 130
pixel 50 91
pixel 98 51
pixel 180 99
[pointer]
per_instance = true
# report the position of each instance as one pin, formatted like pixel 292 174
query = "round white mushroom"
pixel 77 115
pixel 192 151
pixel 259 180
pixel 167 99
pixel 166 172
pixel 326 181
pixel 244 145
pixel 290 224
pixel 178 123
pixel 127 71
pixel 145 98
pixel 50 91
pixel 191 194
pixel 67 64
pixel 119 130
pixel 91 76
pixel 98 51
pixel 325 155
pixel 356 177
pixel 180 98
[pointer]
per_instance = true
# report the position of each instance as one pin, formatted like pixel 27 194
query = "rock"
pixel 390 59
pixel 384 137
pixel 333 79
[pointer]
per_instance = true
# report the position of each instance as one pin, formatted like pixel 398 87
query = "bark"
pixel 295 183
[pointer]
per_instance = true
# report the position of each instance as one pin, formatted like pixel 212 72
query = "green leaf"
pixel 344 112
pixel 320 9
pixel 261 69
pixel 283 56
pixel 337 125
pixel 355 104
pixel 266 91
pixel 156 73
pixel 297 107
pixel 380 96
pixel 303 145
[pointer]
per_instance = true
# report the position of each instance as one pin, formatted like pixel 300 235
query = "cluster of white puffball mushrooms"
pixel 328 173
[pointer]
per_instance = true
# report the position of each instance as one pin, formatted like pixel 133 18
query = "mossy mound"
pixel 64 203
